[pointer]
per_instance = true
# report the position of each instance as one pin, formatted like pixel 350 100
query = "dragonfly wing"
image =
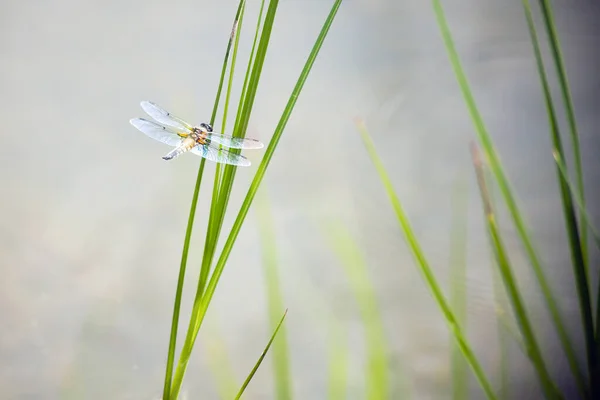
pixel 234 142
pixel 157 132
pixel 165 117
pixel 220 155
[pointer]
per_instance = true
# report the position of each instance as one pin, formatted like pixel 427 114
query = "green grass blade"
pixel 268 238
pixel 510 285
pixel 262 356
pixel 356 269
pixel 548 19
pixel 458 295
pixel 188 231
pixel 504 325
pixel 200 307
pixel 425 269
pixel 245 105
pixel 582 210
pixel 179 290
pixel 577 255
pixel 211 238
pixel 217 212
pixel 502 181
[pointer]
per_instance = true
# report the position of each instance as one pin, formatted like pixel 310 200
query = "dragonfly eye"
pixel 207 127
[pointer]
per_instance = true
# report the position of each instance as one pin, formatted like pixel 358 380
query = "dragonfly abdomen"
pixel 186 145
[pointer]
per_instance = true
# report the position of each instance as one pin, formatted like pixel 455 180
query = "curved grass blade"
pixel 217 213
pixel 502 181
pixel 510 285
pixel 268 238
pixel 210 240
pixel 582 210
pixel 559 64
pixel 424 268
pixel 188 232
pixel 262 356
pixel 576 245
pixel 355 269
pixel 200 307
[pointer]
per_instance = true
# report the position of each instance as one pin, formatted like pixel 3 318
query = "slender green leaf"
pixel 510 285
pixel 212 231
pixel 262 356
pixel 356 271
pixel 281 367
pixel 583 212
pixel 425 269
pixel 548 19
pixel 577 255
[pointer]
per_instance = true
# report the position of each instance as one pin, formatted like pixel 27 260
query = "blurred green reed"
pixel 281 364
pixel 356 271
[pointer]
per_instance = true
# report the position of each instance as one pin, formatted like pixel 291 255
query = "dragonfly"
pixel 199 140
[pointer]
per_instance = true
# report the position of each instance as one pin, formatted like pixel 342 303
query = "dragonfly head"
pixel 208 127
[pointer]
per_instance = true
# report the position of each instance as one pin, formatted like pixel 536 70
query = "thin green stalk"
pixel 503 323
pixel 568 102
pixel 199 309
pixel 268 239
pixel 576 245
pixel 502 181
pixel 217 213
pixel 210 241
pixel 458 295
pixel 510 285
pixel 425 269
pixel 241 123
pixel 262 356
pixel 188 235
pixel 356 269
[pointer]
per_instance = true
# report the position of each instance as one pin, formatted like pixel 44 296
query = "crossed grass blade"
pixel 200 307
pixel 424 268
pixel 217 214
pixel 576 243
pixel 554 42
pixel 195 321
pixel 188 230
pixel 510 284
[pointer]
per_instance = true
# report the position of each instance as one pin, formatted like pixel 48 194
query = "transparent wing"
pixel 165 117
pixel 220 155
pixel 233 142
pixel 157 132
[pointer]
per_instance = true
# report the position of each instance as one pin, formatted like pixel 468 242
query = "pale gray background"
pixel 92 220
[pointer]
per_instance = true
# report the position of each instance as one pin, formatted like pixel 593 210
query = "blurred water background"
pixel 92 219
